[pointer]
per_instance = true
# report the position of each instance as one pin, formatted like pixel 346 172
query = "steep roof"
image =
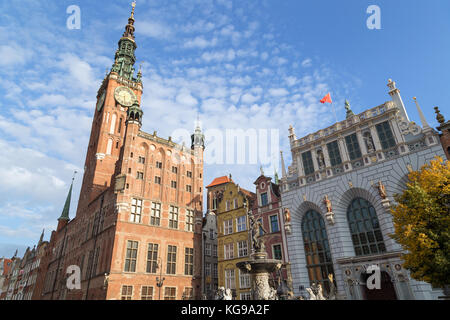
pixel 219 181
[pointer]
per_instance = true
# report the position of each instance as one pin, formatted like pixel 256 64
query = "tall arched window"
pixel 365 228
pixel 317 249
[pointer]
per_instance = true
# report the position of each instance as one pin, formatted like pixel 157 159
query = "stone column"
pixel 361 142
pixel 326 156
pixel 343 150
pixel 375 138
pixel 301 170
pixel 314 159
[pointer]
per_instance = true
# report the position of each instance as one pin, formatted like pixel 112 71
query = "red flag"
pixel 327 98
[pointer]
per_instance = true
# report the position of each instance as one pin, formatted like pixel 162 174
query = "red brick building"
pixel 139 215
pixel 268 209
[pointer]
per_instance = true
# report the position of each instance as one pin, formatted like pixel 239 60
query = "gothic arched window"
pixel 365 228
pixel 317 249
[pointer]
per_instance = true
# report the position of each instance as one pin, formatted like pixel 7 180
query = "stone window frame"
pixel 208 249
pixel 273 251
pixel 171 259
pixel 126 292
pixel 189 225
pixel 242 249
pixel 266 198
pixel 244 280
pixel 334 153
pixel 369 238
pixel 308 164
pixel 208 269
pixel 155 214
pixel 172 294
pixel 152 258
pixel 188 261
pixel 173 217
pixel 230 279
pixel 147 296
pixel 241 223
pixel 385 135
pixel 271 223
pixel 129 257
pixel 136 210
pixel 228 227
pixel 315 224
pixel 228 251
pixel 353 147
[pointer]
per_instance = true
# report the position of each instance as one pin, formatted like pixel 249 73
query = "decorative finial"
pixel 391 84
pixel 262 171
pixel 349 110
pixel 133 5
pixel 74 173
pixel 439 117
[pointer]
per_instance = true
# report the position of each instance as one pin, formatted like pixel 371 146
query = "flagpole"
pixel 334 111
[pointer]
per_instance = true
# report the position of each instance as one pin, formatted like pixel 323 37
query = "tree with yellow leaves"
pixel 422 223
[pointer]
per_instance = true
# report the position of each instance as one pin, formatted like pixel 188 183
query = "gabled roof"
pixel 249 194
pixel 219 181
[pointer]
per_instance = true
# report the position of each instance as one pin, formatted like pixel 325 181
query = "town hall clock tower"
pixel 118 92
pixel 139 215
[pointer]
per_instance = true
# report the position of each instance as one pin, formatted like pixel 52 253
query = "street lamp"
pixel 160 279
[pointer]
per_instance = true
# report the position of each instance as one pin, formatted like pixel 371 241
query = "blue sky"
pixel 239 64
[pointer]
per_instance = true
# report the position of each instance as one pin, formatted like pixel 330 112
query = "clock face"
pixel 101 101
pixel 124 96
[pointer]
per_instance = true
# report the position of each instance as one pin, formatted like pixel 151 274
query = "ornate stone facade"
pixel 367 159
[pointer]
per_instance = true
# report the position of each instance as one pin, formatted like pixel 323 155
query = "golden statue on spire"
pixel 133 5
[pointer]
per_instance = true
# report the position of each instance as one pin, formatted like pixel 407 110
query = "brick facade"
pixel 130 176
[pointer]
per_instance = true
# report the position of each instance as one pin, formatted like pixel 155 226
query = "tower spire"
pixel 66 209
pixel 283 166
pixel 41 239
pixel 129 28
pixel 125 58
pixel 198 138
pixel 425 124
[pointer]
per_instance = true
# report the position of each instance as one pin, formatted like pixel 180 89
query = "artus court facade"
pixel 137 230
pixel 339 190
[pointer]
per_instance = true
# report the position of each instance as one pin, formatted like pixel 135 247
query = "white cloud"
pixel 187 99
pixel 153 29
pixel 219 56
pixel 278 92
pixel 200 42
pixel 307 63
pixel 249 98
pixel 13 54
